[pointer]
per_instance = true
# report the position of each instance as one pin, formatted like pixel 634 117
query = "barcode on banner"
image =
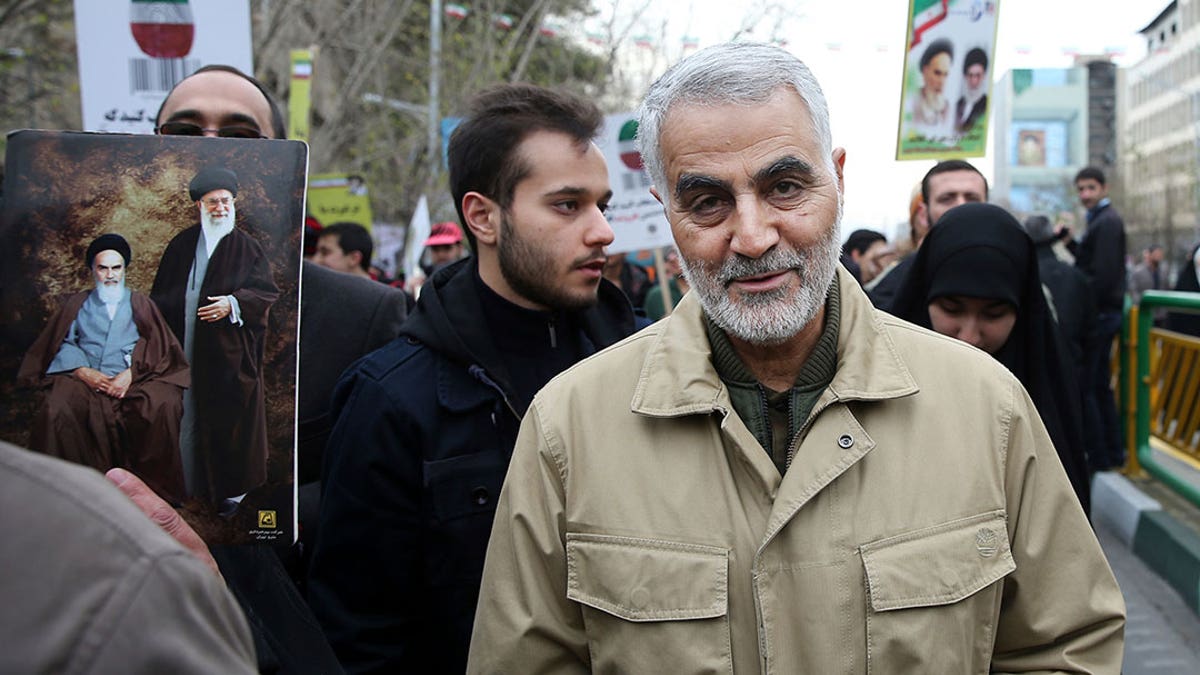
pixel 158 75
pixel 635 180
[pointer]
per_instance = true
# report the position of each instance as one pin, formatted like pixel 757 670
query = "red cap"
pixel 444 234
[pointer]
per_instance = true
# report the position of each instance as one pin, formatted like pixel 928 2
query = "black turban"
pixel 108 242
pixel 212 178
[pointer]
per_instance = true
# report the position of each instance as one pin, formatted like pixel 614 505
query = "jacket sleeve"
pixel 256 296
pixel 365 575
pixel 524 622
pixel 1061 609
pixel 169 614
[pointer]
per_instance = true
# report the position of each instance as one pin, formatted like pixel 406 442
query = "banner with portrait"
pixel 150 312
pixel 946 89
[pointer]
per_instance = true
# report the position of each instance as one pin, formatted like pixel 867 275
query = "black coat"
pixel 425 428
pixel 1185 322
pixel 1101 256
pixel 227 382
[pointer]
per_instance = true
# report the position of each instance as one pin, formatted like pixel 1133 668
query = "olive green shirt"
pixel 777 417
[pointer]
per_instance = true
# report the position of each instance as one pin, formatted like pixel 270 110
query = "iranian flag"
pixel 627 145
pixel 163 29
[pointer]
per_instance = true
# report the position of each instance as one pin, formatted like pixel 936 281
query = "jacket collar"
pixel 678 377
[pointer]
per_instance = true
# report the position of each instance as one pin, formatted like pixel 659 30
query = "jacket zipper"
pixel 553 334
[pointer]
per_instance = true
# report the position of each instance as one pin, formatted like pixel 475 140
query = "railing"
pixel 1164 397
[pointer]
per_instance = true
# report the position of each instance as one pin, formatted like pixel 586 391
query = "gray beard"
pixel 215 228
pixel 111 294
pixel 771 317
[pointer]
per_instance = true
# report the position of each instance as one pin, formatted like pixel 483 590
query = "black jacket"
pixel 1101 256
pixel 425 427
pixel 1074 303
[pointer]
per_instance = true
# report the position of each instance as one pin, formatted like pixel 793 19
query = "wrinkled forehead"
pixel 214 99
pixel 108 258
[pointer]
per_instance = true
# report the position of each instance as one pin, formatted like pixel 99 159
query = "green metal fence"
pixel 1163 398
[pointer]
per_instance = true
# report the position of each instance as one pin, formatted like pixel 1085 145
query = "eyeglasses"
pixel 213 202
pixel 189 129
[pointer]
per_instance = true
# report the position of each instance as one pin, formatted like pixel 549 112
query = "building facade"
pixel 1160 135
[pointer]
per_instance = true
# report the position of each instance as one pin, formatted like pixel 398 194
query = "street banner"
pixel 131 52
pixel 947 83
pixel 636 217
pixel 300 98
pixel 339 198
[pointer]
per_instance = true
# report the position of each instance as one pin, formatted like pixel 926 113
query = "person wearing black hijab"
pixel 1187 281
pixel 976 278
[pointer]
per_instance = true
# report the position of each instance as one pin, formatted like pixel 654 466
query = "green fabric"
pixel 653 302
pixel 775 418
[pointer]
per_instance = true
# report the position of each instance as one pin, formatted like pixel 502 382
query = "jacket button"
pixel 480 496
pixel 845 441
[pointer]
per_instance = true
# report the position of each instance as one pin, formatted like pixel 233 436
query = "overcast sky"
pixel 860 64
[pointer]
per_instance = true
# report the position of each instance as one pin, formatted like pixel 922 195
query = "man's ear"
pixel 355 257
pixel 482 216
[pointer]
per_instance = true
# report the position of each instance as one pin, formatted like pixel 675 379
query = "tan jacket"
pixel 925 524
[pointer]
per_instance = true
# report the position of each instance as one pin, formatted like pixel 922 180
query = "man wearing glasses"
pixel 214 288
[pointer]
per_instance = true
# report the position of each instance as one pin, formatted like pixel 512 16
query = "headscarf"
pixel 1187 281
pixel 979 250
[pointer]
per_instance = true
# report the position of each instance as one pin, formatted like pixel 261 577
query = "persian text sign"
pixel 131 52
pixel 637 218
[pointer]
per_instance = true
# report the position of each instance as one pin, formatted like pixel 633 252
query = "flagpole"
pixel 435 68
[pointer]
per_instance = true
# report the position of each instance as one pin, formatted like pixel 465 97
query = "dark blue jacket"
pixel 425 427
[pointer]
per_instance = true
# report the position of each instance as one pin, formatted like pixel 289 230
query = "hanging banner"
pixel 637 219
pixel 339 198
pixel 300 98
pixel 131 52
pixel 947 79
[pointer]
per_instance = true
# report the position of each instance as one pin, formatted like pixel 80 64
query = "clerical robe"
pixel 139 432
pixel 229 429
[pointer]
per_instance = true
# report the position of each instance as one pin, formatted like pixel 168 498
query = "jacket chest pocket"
pixel 460 504
pixel 651 606
pixel 934 596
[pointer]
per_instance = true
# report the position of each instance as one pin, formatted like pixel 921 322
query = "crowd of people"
pixel 798 452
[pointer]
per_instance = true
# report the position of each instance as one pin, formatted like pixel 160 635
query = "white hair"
pixel 739 73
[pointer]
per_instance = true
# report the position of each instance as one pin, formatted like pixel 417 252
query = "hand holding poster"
pixel 947 79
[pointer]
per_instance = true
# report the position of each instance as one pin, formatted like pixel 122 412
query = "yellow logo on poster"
pixel 266 520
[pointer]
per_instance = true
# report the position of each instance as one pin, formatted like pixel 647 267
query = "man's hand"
pixel 162 514
pixel 93 378
pixel 118 385
pixel 219 309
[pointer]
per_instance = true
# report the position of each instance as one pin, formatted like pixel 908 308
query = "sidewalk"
pixel 1156 524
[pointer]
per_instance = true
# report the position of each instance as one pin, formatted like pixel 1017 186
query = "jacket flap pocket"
pixel 937 565
pixel 647 579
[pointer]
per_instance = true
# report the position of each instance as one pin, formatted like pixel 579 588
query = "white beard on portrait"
pixel 110 293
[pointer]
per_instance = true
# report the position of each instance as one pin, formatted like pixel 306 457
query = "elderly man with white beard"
pixel 114 377
pixel 972 105
pixel 778 478
pixel 215 288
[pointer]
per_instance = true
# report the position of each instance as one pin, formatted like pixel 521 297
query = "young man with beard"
pixel 425 425
pixel 214 287
pixel 114 376
pixel 778 477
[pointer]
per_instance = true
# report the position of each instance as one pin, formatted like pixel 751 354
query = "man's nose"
pixel 754 230
pixel 599 232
